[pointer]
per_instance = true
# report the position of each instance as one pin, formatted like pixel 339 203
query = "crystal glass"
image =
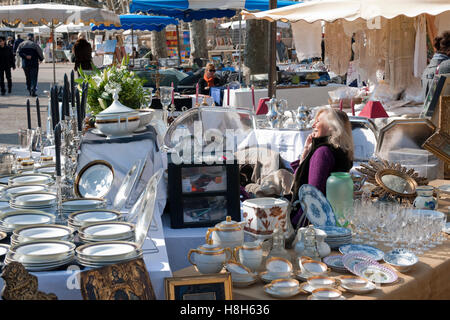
pixel 166 99
pixel 30 137
pixel 148 98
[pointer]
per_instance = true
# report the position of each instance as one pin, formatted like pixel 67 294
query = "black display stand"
pixel 200 207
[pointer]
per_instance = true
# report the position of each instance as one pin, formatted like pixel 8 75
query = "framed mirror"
pixel 94 180
pixel 396 183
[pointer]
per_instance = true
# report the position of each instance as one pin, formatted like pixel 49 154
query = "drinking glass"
pixel 166 99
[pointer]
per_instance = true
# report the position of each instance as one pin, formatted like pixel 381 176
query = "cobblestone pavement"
pixel 13 106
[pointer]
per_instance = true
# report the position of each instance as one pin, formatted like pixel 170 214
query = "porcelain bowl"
pixel 314 267
pixel 401 259
pixel 285 286
pixel 117 125
pixel 145 117
pixel 353 281
pixel 321 282
pixel 326 294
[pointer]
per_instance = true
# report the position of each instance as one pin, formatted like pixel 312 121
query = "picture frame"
pixel 432 98
pixel 439 145
pixel 203 287
pixel 123 281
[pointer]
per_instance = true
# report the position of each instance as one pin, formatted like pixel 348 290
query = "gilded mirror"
pixel 94 180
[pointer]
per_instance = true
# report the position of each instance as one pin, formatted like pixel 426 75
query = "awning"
pixel 139 22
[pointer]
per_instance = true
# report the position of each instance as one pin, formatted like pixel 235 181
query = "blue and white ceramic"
pixel 335 262
pixel 401 259
pixel 334 231
pixel 316 207
pixel 371 252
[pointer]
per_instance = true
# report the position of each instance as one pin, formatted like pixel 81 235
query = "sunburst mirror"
pixel 392 179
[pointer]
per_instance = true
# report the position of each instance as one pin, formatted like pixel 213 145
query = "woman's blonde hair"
pixel 340 129
pixel 210 66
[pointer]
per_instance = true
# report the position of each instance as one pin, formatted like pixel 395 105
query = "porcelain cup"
pixel 285 286
pixel 326 294
pixel 321 282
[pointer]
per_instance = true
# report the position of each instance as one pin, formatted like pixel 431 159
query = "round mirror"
pixel 94 180
pixel 396 182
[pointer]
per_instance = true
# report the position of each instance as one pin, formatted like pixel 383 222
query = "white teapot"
pixel 209 258
pixel 227 234
pixel 250 254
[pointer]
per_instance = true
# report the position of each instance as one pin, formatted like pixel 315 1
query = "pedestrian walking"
pixel 10 42
pixel 31 54
pixel 82 52
pixel 18 41
pixel 6 63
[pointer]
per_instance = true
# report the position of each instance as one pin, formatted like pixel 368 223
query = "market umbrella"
pixel 138 22
pixel 54 15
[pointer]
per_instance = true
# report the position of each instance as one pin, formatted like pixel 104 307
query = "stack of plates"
pixel 44 201
pixel 336 236
pixel 73 205
pixel 4 180
pixel 9 192
pixel 109 231
pixel 48 169
pixel 105 253
pixel 336 263
pixel 84 218
pixel 42 232
pixel 42 254
pixel 20 218
pixel 30 178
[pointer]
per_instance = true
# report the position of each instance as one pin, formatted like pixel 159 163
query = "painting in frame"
pixel 203 287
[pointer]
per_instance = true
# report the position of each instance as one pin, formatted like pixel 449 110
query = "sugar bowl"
pixel 227 234
pixel 209 258
pixel 250 254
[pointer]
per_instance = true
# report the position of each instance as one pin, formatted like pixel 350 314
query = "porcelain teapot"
pixel 209 258
pixel 227 234
pixel 250 254
pixel 272 113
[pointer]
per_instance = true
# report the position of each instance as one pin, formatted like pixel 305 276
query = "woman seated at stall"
pixel 329 148
pixel 209 80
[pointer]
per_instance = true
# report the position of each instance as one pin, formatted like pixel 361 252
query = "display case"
pixel 201 195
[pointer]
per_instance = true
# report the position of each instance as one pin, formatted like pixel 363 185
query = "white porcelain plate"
pixel 35 199
pixel 276 294
pixel 83 204
pixel 278 265
pixel 26 219
pixel 3 249
pixel 94 216
pixel 30 179
pixel 11 191
pixel 368 287
pixel 107 249
pixel 44 232
pixel 106 229
pixel 42 248
pixel 375 272
pixel 352 259
pixel 317 208
pixel 372 252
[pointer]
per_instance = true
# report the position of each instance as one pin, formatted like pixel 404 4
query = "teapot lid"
pixel 116 106
pixel 228 223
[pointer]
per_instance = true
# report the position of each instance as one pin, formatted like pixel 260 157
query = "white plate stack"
pixel 81 204
pixel 20 218
pixel 10 192
pixel 105 253
pixel 107 231
pixel 44 201
pixel 336 236
pixel 84 218
pixel 42 255
pixel 30 178
pixel 42 232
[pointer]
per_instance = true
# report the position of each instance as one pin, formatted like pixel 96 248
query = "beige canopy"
pixel 331 10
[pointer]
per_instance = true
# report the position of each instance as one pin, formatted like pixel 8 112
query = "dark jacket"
pixel 16 44
pixel 6 58
pixel 202 84
pixel 82 51
pixel 430 71
pixel 30 48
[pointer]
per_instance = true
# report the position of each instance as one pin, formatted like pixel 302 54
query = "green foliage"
pixel 103 83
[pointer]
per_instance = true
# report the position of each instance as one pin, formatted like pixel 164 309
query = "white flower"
pixel 112 87
pixel 98 80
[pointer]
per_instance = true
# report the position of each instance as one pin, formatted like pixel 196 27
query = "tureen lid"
pixel 116 106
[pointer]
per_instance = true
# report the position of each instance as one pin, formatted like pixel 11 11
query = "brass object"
pixel 21 285
pixel 408 190
pixel 157 78
pixel 439 145
pixel 375 170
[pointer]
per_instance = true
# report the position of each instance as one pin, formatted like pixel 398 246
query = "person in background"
pixel 82 52
pixel 442 45
pixel 209 80
pixel 6 63
pixel 134 53
pixel 329 148
pixel 32 55
pixel 10 42
pixel 281 49
pixel 18 41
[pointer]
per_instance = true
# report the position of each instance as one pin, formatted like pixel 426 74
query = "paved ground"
pixel 13 107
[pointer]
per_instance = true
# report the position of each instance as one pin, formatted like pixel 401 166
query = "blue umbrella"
pixel 138 22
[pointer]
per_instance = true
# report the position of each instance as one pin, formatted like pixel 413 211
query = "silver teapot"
pixel 272 113
pixel 7 160
pixel 303 117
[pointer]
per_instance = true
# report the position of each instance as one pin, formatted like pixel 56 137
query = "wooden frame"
pixel 204 287
pixel 439 145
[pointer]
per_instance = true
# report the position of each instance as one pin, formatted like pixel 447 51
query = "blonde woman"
pixel 209 79
pixel 329 148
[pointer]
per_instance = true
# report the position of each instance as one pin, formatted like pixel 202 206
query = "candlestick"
pixel 58 149
pixel 196 94
pixel 72 89
pixel 28 114
pixel 38 111
pixel 228 95
pixel 253 97
pixel 173 94
pixel 78 106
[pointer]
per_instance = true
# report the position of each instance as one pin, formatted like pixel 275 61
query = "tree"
pixel 198 43
pixel 257 46
pixel 158 44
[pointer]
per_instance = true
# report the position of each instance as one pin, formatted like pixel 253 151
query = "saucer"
pixel 360 290
pixel 276 294
pixel 311 297
pixel 267 278
pixel 303 276
pixel 244 282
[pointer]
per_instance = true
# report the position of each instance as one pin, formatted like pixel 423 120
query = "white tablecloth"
pixel 312 96
pixel 66 284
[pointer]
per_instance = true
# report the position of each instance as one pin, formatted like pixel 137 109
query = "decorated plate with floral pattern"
pixel 316 207
pixel 372 252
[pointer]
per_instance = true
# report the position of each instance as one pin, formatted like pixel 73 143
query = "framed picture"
pixel 204 287
pixel 123 281
pixel 439 145
pixel 433 95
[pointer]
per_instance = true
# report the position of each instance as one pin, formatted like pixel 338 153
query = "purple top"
pixel 321 165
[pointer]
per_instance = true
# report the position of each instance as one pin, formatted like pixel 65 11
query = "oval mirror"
pixel 94 180
pixel 396 182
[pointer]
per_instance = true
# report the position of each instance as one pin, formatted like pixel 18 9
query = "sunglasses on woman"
pixel 212 70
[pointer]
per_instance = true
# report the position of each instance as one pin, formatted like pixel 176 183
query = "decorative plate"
pixel 317 208
pixel 352 259
pixel 370 251
pixel 335 261
pixel 336 232
pixel 375 272
pixel 401 258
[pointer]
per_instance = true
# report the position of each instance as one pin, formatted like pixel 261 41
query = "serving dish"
pixel 401 259
pixel 371 252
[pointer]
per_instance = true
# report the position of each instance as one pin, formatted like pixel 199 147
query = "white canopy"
pixel 65 28
pixel 235 25
pixel 46 13
pixel 331 10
